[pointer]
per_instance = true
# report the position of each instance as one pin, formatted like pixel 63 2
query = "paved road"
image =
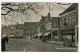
pixel 35 46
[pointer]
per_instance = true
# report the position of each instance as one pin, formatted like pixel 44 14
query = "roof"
pixel 70 8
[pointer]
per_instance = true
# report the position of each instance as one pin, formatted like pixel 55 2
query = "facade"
pixel 12 30
pixel 39 34
pixel 30 29
pixel 45 26
pixel 50 27
pixel 55 22
pixel 19 30
pixel 42 24
pixel 69 23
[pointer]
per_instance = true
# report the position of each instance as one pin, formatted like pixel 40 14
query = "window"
pixel 55 24
pixel 64 19
pixel 69 18
pixel 73 18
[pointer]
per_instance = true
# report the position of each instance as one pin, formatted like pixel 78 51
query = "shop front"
pixel 55 35
pixel 68 37
pixel 47 36
pixel 39 35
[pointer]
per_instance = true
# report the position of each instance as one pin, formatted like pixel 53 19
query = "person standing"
pixel 3 46
pixel 3 43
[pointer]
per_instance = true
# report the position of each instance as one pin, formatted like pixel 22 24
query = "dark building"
pixel 30 29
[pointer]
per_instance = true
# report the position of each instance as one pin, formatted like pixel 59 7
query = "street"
pixel 34 45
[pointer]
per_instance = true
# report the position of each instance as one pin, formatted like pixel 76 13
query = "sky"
pixel 54 12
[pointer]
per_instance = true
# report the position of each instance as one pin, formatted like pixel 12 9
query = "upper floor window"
pixel 55 25
pixel 69 18
pixel 74 18
pixel 64 19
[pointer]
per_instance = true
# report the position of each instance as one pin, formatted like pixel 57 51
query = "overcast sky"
pixel 35 17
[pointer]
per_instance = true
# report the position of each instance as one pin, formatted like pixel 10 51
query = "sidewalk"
pixel 55 42
pixel 36 39
pixel 52 42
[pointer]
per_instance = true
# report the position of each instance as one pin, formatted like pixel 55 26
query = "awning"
pixel 46 34
pixel 39 34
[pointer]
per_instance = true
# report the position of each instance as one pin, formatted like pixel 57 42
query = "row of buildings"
pixel 28 29
pixel 52 28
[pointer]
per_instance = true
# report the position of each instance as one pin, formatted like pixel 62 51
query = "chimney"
pixel 49 16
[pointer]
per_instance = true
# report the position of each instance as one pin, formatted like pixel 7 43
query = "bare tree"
pixel 23 9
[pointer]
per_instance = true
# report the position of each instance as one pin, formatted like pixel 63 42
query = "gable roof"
pixel 70 8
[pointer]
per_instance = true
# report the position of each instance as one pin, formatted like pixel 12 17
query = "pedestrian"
pixel 3 43
pixel 3 46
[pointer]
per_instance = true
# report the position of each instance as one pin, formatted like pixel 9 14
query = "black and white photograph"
pixel 39 27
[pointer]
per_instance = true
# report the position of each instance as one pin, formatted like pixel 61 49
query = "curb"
pixel 55 43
